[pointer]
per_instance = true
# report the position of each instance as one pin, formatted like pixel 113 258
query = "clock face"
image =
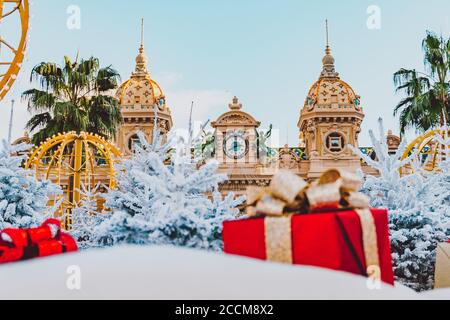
pixel 236 146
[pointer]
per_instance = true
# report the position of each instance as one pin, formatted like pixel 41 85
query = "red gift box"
pixel 42 249
pixel 49 230
pixel 51 247
pixel 46 240
pixel 8 254
pixel 329 240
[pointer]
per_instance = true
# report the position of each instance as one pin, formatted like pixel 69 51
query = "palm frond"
pixel 39 100
pixel 434 54
pixel 70 98
pixel 426 101
pixel 107 79
pixel 49 76
pixel 38 121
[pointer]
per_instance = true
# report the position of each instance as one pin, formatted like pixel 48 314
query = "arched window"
pixel 133 142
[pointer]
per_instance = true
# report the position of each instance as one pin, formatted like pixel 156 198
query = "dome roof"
pixel 141 89
pixel 330 92
pixel 327 93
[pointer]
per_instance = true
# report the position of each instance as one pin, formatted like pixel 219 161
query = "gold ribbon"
pixel 278 236
pixel 370 242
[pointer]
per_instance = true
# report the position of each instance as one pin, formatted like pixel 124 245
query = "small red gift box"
pixel 8 254
pixel 64 244
pixel 49 230
pixel 46 240
pixel 330 240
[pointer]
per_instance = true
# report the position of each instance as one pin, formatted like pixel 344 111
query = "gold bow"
pixel 288 193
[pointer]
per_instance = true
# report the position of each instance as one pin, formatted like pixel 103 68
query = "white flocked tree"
pixel 419 208
pixel 86 216
pixel 23 199
pixel 165 197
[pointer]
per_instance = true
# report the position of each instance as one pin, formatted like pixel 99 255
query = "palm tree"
pixel 73 97
pixel 427 93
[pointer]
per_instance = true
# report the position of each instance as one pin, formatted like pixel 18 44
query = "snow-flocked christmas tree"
pixel 162 198
pixel 419 209
pixel 85 218
pixel 23 199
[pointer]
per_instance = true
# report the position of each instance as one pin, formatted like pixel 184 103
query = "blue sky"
pixel 268 53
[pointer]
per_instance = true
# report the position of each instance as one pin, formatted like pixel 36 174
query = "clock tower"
pixel 236 138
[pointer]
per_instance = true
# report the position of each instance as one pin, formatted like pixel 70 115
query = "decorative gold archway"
pixel 74 161
pixel 12 47
pixel 430 151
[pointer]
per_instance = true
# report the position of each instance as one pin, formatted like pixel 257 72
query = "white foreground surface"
pixel 171 273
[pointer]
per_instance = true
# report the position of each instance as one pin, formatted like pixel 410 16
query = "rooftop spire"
pixel 328 48
pixel 142 33
pixel 141 59
pixel 328 59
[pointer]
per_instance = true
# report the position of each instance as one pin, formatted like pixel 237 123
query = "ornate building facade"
pixel 329 120
pixel 140 98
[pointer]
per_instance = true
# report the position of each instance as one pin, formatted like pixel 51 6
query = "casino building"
pixel 329 120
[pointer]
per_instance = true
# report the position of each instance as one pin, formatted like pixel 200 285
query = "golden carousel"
pixel 76 162
pixel 429 149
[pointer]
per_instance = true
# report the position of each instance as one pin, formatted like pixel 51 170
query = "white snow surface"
pixel 133 272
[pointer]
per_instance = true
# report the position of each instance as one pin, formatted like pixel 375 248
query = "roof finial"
pixel 235 105
pixel 328 59
pixel 142 33
pixel 141 59
pixel 328 48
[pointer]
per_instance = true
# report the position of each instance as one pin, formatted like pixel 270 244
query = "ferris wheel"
pixel 14 23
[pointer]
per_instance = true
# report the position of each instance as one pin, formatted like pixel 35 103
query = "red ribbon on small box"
pixel 43 241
